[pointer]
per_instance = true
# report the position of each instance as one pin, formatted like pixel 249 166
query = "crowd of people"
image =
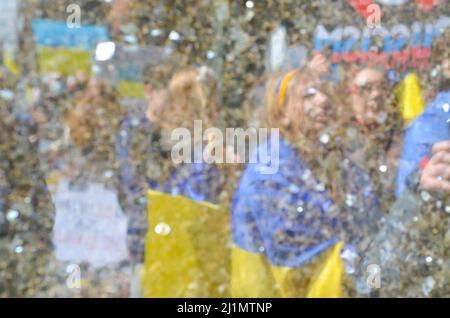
pixel 349 175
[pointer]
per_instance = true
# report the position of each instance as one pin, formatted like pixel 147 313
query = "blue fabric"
pixel 197 181
pixel 427 129
pixel 135 122
pixel 57 34
pixel 287 216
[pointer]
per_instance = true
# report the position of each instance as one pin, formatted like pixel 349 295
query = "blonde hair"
pixel 287 112
pixel 276 108
pixel 192 96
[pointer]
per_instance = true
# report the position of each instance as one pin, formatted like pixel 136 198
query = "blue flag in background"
pixel 58 34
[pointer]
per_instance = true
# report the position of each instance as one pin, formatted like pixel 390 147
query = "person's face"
pixel 311 104
pixel 369 91
pixel 157 99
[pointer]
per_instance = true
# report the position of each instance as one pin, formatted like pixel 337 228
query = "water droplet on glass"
pixel 306 175
pixel 250 4
pixel 350 200
pixel 174 36
pixel 350 258
pixel 325 138
pixel 210 55
pixel 130 38
pixel 428 285
pixel 300 209
pixel 156 32
pixel 12 215
pixel 221 289
pixel 6 94
pixel 96 69
pixel 447 209
pixel 434 72
pixel 105 51
pixel 382 117
pixel 446 107
pixel 109 174
pixel 162 229
pixel 293 188
pixel 383 168
pixel 33 139
pixel 429 259
pixel 261 249
pixel 425 196
pixel 439 204
pixel 135 122
pixel 18 249
pixel 320 187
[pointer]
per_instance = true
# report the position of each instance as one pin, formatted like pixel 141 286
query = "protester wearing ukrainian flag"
pixel 184 220
pixel 290 227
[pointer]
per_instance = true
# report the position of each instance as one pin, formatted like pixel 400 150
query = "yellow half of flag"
pixel 187 250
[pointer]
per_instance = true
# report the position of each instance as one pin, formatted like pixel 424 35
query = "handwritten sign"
pixel 90 226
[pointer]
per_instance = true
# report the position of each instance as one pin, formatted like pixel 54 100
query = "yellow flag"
pixel 328 282
pixel 254 277
pixel 410 97
pixel 187 250
pixel 10 64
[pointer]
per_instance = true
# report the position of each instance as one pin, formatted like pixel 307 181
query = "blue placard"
pixel 58 34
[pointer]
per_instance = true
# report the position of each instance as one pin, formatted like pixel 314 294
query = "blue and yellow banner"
pixel 65 50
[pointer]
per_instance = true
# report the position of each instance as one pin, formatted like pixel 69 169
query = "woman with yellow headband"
pixel 285 224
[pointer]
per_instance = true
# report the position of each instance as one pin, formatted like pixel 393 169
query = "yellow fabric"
pixel 64 61
pixel 10 64
pixel 283 87
pixel 410 97
pixel 254 277
pixel 328 282
pixel 193 258
pixel 251 276
pixel 131 89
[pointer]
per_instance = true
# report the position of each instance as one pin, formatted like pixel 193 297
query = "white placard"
pixel 89 226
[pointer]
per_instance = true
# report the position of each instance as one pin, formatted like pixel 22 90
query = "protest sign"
pixel 89 226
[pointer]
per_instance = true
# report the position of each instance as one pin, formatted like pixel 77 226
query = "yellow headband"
pixel 283 87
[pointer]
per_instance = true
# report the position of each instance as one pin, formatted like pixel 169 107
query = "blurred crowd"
pixel 354 173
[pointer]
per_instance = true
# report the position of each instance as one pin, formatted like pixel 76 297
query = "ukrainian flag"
pixel 278 249
pixel 65 50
